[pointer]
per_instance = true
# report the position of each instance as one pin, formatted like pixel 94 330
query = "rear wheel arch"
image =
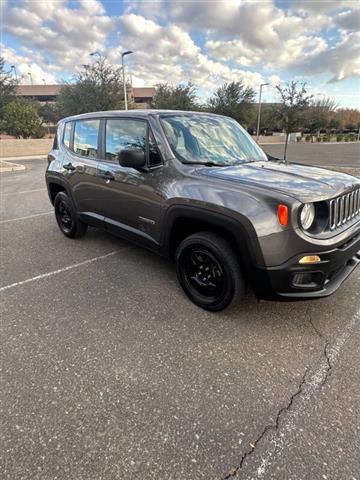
pixel 54 189
pixel 55 185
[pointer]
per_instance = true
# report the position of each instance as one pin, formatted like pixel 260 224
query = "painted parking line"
pixel 61 270
pixel 280 439
pixel 25 191
pixel 26 218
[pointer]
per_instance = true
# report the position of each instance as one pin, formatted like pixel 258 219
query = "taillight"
pixel 283 214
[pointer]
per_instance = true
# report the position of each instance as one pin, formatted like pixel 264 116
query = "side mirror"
pixel 132 158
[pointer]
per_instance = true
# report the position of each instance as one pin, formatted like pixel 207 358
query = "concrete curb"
pixel 32 157
pixel 330 143
pixel 10 167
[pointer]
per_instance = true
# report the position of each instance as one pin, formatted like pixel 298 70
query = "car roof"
pixel 131 113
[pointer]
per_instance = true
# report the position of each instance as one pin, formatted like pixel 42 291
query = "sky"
pixel 205 42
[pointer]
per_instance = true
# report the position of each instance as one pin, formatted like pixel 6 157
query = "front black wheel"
pixel 66 217
pixel 208 271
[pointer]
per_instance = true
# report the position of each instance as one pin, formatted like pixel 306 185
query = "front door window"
pixel 124 134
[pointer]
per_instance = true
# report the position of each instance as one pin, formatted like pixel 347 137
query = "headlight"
pixel 307 216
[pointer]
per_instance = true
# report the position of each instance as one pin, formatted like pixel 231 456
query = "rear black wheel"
pixel 66 217
pixel 208 271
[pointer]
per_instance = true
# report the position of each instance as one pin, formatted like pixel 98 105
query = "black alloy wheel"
pixel 208 271
pixel 202 272
pixel 66 217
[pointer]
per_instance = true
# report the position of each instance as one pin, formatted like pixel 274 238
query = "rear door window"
pixel 86 138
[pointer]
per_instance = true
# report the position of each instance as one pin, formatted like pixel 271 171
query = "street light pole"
pixel 95 54
pixel 259 113
pixel 14 68
pixel 31 80
pixel 124 80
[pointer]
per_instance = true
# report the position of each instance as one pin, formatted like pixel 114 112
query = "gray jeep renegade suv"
pixel 196 188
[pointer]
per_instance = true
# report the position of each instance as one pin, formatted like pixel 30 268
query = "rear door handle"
pixel 69 166
pixel 108 176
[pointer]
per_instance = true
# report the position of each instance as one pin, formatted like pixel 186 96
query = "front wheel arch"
pixel 181 221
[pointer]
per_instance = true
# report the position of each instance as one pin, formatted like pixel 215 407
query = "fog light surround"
pixel 308 259
pixel 307 279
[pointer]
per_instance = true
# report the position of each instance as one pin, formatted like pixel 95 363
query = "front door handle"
pixel 108 176
pixel 69 166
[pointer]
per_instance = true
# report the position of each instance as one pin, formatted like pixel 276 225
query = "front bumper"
pixel 336 265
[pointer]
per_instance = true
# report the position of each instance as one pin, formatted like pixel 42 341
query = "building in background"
pixel 140 97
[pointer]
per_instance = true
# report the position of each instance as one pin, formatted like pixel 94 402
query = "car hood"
pixel 302 182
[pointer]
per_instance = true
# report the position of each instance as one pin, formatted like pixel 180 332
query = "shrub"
pixel 21 119
pixel 39 133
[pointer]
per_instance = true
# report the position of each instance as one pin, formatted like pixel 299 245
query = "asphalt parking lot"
pixel 343 155
pixel 109 372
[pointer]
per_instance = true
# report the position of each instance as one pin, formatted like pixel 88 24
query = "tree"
pixel 334 123
pixel 293 102
pixel 319 114
pixel 348 116
pixel 97 87
pixel 178 97
pixel 233 100
pixel 315 120
pixel 49 112
pixel 21 119
pixel 7 87
pixel 268 121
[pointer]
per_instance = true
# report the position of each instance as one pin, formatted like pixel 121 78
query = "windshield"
pixel 206 139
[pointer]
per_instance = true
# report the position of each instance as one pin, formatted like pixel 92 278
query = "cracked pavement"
pixel 109 372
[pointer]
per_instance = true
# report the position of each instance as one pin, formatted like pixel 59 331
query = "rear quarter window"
pixel 58 136
pixel 67 134
pixel 86 138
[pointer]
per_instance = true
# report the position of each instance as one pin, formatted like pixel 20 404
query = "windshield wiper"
pixel 207 164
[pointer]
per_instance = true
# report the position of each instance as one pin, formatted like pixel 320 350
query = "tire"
pixel 67 218
pixel 209 272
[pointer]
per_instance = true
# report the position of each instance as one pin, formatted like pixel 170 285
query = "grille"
pixel 343 209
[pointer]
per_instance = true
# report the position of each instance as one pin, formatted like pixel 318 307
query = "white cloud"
pixel 168 53
pixel 324 6
pixel 25 65
pixel 291 52
pixel 341 61
pixel 243 39
pixel 62 35
pixel 348 20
